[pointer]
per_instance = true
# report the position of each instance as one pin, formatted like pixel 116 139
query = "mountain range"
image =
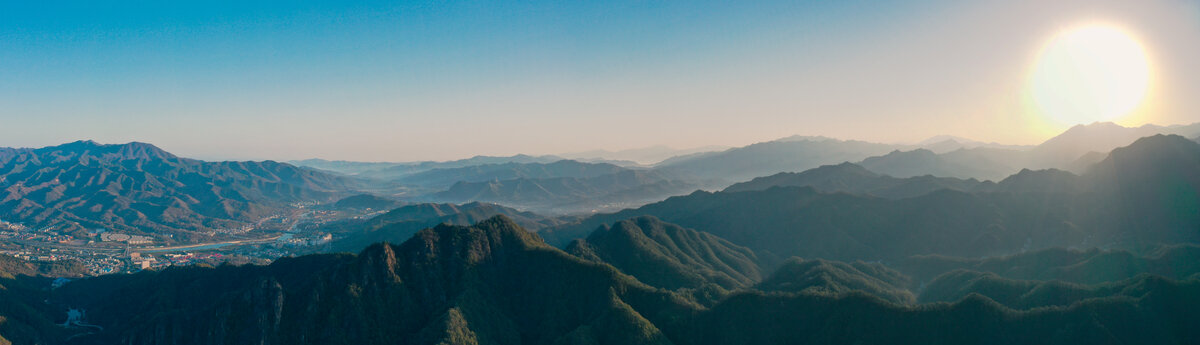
pixel 1144 193
pixel 1074 150
pixel 567 195
pixel 761 159
pixel 139 188
pixel 641 156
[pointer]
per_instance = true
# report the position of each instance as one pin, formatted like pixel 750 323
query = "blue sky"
pixel 443 80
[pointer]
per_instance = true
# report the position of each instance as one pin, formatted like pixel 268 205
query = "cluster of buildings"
pixel 316 240
pixel 96 262
pixel 126 238
pixel 16 227
pixel 104 251
pixel 33 255
pixel 48 237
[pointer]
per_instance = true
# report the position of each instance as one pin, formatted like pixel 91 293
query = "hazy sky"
pixel 443 80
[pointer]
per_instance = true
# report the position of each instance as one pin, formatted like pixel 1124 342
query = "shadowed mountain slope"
pixel 1090 266
pixel 668 256
pixel 837 278
pixel 1027 294
pixel 799 221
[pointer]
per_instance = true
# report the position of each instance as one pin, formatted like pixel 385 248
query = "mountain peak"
pixel 1161 148
pixel 110 152
pixel 472 243
pixel 1099 125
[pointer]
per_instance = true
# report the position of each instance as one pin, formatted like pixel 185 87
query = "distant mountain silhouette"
pixel 852 178
pixel 768 158
pixel 442 178
pixel 642 156
pixel 981 163
pixel 390 171
pixel 948 143
pixel 1074 150
pixel 570 194
pixel 1143 194
pixel 139 188
pixel 1098 137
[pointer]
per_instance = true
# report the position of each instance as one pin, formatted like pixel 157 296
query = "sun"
pixel 1090 73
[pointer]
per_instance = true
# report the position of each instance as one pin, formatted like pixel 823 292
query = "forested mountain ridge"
pixel 669 256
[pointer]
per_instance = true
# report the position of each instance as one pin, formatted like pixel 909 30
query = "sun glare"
pixel 1090 73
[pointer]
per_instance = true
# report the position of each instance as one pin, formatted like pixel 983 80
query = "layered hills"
pixel 1074 150
pixel 1142 194
pixel 399 224
pixel 854 179
pixel 442 178
pixel 571 194
pixel 761 159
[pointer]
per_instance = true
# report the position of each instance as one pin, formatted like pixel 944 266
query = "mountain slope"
pixel 1155 184
pixel 668 256
pixel 139 188
pixel 837 278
